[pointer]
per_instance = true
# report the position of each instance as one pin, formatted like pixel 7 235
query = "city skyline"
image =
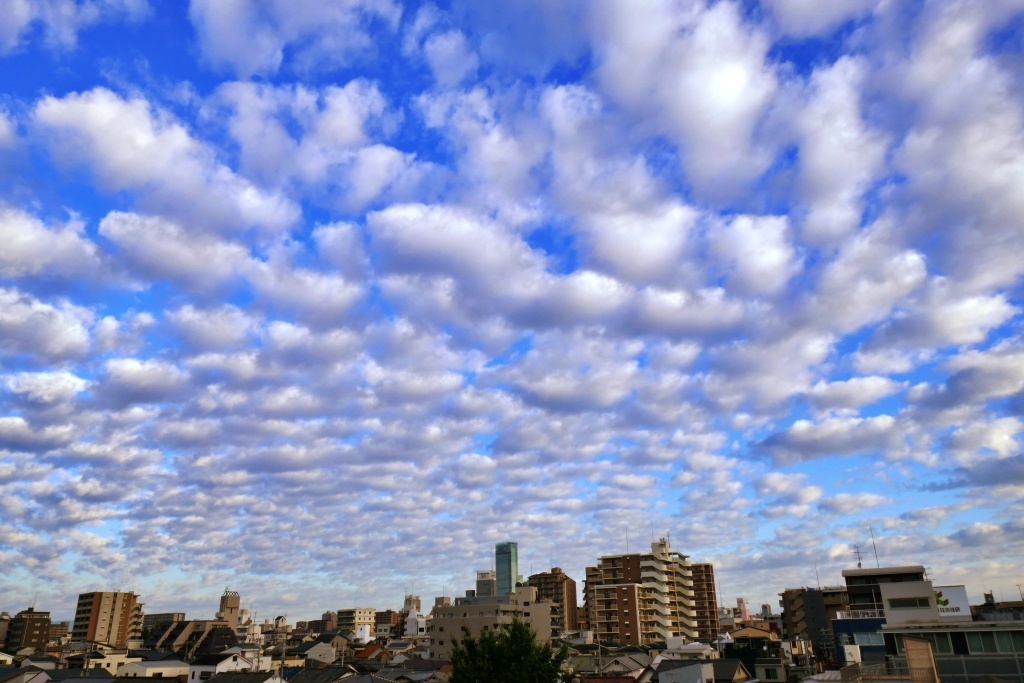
pixel 328 299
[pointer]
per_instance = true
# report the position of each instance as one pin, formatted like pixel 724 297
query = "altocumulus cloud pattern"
pixel 323 299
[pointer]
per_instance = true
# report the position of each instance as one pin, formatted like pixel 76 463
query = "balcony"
pixel 861 614
pixel 897 672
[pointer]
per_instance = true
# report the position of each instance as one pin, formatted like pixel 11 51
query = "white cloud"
pixel 8 134
pixel 700 72
pixel 756 253
pixel 450 58
pixel 223 327
pixel 131 146
pixel 30 326
pixel 29 248
pixel 835 436
pixel 62 20
pixel 18 434
pixel 852 503
pixel 839 153
pixel 865 281
pixel 852 393
pixel 130 380
pixel 156 249
pixel 252 36
pixel 810 18
pixel 46 387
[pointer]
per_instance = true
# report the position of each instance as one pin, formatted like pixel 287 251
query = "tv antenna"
pixel 856 553
pixel 873 546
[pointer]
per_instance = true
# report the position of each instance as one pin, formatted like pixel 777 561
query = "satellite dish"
pixel 765 648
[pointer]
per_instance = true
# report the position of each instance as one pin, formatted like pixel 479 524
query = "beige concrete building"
pixel 641 598
pixel 362 621
pixel 488 612
pixel 108 617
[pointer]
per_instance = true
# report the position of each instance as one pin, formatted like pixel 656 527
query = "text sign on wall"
pixel 952 602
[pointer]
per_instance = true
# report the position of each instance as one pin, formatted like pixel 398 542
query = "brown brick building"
pixel 705 602
pixel 559 589
pixel 29 628
pixel 109 617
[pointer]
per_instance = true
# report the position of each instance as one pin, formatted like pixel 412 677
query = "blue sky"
pixel 320 301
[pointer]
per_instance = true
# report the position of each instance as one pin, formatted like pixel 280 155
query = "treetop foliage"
pixel 509 654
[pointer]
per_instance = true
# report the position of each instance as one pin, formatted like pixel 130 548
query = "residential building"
pixel 107 659
pixel 807 613
pixel 29 628
pixel 991 610
pixel 705 602
pixel 207 667
pixel 486 583
pixel 760 650
pixel 559 589
pixel 163 668
pixel 5 625
pixel 506 566
pixel 230 606
pixel 861 624
pixel 152 623
pixel 388 624
pixel 641 598
pixel 362 621
pixel 476 613
pixel 108 617
pixel 59 632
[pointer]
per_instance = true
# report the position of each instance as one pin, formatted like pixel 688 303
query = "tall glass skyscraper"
pixel 506 566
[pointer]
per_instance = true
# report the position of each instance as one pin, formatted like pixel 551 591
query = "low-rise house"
pixel 314 651
pixel 375 651
pixel 29 674
pixel 164 668
pixel 730 671
pixel 80 676
pixel 678 671
pixel 247 677
pixel 328 674
pixel 44 662
pixel 205 668
pixel 108 659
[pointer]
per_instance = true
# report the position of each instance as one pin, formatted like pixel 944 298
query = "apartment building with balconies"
pixel 559 589
pixel 641 598
pixel 108 617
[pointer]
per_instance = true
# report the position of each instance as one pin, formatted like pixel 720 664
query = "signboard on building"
pixel 952 603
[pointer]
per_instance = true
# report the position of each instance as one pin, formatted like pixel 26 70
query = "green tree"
pixel 509 654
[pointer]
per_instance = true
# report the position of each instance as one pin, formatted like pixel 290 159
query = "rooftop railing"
pixel 861 614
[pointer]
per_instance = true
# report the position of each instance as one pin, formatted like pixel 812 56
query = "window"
pixel 981 641
pixel 908 603
pixel 771 674
pixel 868 639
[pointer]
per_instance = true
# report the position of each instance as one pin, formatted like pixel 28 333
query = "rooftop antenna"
pixel 816 576
pixel 652 531
pixel 856 553
pixel 871 528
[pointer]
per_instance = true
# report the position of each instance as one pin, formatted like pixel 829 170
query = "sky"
pixel 318 301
